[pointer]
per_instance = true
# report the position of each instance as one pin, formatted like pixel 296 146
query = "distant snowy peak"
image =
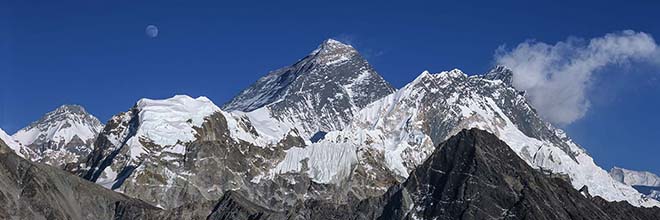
pixel 635 178
pixel 60 126
pixel 61 137
pixel 319 92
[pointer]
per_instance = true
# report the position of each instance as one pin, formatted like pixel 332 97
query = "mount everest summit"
pixel 325 131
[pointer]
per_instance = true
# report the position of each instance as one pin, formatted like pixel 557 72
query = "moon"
pixel 151 31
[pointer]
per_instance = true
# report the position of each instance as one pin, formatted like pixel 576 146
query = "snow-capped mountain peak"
pixel 62 136
pixel 318 93
pixel 332 52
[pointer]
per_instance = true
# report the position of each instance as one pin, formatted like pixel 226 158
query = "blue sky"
pixel 96 54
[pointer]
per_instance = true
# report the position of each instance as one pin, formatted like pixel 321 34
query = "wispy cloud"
pixel 349 39
pixel 556 77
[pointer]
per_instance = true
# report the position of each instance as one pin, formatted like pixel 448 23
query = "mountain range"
pixel 324 138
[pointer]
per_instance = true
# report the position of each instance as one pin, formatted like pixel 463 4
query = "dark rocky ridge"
pixel 474 175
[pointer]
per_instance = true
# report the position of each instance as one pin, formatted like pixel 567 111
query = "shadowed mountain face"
pixel 474 175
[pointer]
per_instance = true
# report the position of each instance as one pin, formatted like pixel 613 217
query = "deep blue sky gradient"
pixel 95 53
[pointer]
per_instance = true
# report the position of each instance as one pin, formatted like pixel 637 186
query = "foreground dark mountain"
pixel 31 190
pixel 474 175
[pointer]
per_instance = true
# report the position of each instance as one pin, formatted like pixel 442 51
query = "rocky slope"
pixel 31 190
pixel 62 138
pixel 319 93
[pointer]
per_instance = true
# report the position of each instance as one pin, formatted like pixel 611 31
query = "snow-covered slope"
pixel 15 146
pixel 399 131
pixel 62 138
pixel 635 178
pixel 320 92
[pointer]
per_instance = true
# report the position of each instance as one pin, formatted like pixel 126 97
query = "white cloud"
pixel 556 77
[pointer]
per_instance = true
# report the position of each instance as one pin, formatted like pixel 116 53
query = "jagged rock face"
pixel 401 130
pixel 474 175
pixel 62 138
pixel 321 92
